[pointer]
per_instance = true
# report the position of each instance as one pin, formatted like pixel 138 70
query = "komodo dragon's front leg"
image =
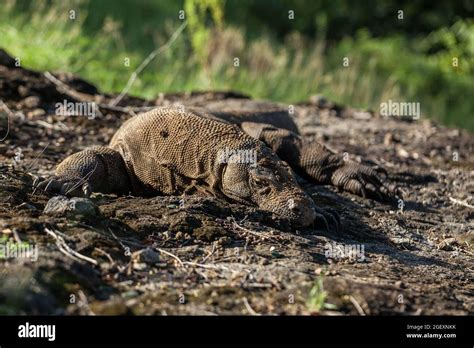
pixel 315 161
pixel 96 169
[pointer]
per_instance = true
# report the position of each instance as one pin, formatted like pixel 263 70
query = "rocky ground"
pixel 195 255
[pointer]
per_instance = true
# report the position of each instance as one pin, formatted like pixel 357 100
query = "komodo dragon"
pixel 240 156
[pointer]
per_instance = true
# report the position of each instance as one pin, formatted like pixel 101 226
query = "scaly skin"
pixel 167 151
pixel 172 151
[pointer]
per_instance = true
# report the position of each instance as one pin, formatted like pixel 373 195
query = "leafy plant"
pixel 317 297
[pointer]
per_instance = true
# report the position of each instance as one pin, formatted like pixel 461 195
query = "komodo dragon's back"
pixel 172 150
pixel 237 111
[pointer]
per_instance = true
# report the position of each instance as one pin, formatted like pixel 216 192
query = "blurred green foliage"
pixel 427 56
pixel 199 27
pixel 337 19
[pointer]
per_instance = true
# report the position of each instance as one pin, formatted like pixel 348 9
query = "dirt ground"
pixel 196 255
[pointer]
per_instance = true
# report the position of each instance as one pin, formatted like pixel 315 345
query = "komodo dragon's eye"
pixel 262 186
pixel 262 178
pixel 261 182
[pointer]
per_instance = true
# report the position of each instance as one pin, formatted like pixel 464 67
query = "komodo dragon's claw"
pixel 66 187
pixel 327 214
pixel 366 182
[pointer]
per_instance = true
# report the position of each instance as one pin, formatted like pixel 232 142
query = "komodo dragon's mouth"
pixel 298 208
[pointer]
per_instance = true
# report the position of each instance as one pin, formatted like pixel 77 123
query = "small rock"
pixel 130 294
pixel 387 139
pixel 35 113
pixel 147 255
pixel 31 102
pixel 361 115
pixel 139 266
pixel 402 152
pixel 23 91
pixel 75 206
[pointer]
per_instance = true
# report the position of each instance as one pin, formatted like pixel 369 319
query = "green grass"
pixel 317 297
pixel 105 33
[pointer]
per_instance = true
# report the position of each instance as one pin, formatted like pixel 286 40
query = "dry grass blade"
pixel 181 263
pixel 464 204
pixel 65 249
pixel 190 263
pixel 147 61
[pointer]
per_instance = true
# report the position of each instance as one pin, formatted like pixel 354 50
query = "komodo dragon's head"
pixel 271 185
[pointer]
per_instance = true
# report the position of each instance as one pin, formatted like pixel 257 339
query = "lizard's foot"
pixel 64 186
pixel 328 218
pixel 96 169
pixel 365 181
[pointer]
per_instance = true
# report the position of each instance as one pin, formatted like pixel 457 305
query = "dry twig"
pixel 356 305
pixel 248 307
pixel 65 249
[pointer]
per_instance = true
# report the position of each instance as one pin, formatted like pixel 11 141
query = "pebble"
pixel 130 294
pixel 35 113
pixel 139 266
pixel 147 255
pixel 31 102
pixel 75 206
